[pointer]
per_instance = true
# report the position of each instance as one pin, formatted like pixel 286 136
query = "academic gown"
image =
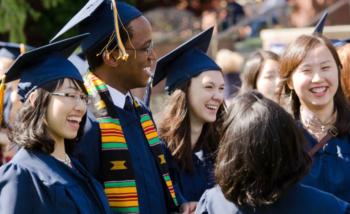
pixel 189 186
pixel 330 170
pixel 153 196
pixel 35 182
pixel 298 199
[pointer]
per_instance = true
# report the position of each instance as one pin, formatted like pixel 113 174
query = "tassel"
pixel 22 48
pixel 2 97
pixel 148 92
pixel 122 53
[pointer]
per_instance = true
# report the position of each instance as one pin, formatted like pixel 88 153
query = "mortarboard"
pixel 44 64
pixel 80 62
pixel 12 50
pixel 186 61
pixel 340 42
pixel 320 24
pixel 98 17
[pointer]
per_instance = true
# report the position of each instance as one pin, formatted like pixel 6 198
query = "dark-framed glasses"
pixel 73 97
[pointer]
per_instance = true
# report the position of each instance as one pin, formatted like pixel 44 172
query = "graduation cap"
pixel 186 61
pixel 340 42
pixel 12 50
pixel 320 24
pixel 100 19
pixel 80 62
pixel 42 65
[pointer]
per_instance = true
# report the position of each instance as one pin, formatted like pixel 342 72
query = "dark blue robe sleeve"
pixel 17 190
pixel 174 175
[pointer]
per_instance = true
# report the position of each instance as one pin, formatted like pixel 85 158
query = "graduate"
pixel 43 177
pixel 8 54
pixel 260 162
pixel 310 70
pixel 120 145
pixel 192 118
pixel 261 72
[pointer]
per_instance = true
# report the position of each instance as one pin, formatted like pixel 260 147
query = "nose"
pixel 152 55
pixel 80 105
pixel 316 77
pixel 218 95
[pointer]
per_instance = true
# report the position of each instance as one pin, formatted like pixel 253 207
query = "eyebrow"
pixel 327 61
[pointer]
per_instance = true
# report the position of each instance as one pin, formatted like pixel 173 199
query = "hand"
pixel 188 207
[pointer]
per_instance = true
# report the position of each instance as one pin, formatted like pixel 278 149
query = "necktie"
pixel 128 104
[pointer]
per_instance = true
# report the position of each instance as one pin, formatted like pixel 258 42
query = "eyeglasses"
pixel 148 50
pixel 73 97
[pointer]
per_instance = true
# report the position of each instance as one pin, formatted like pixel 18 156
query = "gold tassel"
pixel 122 52
pixel 22 48
pixel 2 97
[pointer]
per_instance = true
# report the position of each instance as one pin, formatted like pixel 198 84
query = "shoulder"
pixel 15 178
pixel 214 201
pixel 320 200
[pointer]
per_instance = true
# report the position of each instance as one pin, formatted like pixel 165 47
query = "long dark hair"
pixel 175 129
pixel 261 153
pixel 30 130
pixel 291 59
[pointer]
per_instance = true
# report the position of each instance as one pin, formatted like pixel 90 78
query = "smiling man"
pixel 120 145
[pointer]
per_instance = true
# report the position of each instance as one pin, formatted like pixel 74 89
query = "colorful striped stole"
pixel 120 187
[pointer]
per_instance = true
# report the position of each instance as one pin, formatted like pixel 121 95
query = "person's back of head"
pixel 261 153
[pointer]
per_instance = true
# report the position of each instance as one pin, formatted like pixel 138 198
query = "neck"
pixel 196 130
pixel 323 114
pixel 106 74
pixel 60 149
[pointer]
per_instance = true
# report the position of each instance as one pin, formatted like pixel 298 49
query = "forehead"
pixel 141 31
pixel 69 84
pixel 210 76
pixel 318 54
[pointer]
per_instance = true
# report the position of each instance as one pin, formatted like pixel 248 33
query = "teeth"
pixel 212 107
pixel 318 89
pixel 75 119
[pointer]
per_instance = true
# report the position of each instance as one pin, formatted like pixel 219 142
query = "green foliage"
pixel 14 15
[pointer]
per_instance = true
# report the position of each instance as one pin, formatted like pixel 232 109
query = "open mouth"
pixel 212 107
pixel 74 121
pixel 317 90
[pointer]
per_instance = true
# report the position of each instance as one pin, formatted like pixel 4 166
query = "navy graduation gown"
pixel 330 170
pixel 35 182
pixel 189 186
pixel 298 199
pixel 152 193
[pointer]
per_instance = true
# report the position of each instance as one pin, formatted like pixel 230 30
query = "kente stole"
pixel 118 178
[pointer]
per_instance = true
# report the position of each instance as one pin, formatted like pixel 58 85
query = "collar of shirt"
pixel 118 97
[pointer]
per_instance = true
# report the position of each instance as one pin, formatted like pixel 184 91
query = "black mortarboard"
pixel 186 61
pixel 320 24
pixel 97 17
pixel 12 50
pixel 44 64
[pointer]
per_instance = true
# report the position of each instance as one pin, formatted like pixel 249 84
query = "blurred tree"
pixel 35 22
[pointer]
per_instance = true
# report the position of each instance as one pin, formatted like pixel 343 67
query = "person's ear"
pixel 110 58
pixel 32 98
pixel 290 84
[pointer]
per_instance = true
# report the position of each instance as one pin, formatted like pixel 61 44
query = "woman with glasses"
pixel 42 177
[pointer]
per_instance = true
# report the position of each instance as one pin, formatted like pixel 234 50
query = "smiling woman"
pixel 42 177
pixel 310 70
pixel 192 118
